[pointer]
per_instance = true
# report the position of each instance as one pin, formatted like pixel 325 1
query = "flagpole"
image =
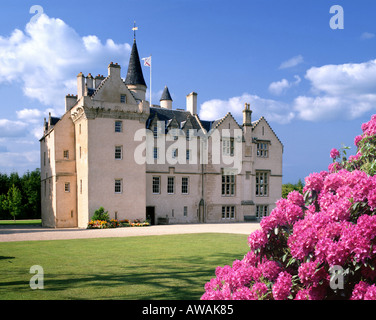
pixel 151 105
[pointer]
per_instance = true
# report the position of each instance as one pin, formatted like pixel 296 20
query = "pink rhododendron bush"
pixel 317 245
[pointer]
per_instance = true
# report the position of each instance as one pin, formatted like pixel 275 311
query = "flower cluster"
pixel 331 225
pixel 113 223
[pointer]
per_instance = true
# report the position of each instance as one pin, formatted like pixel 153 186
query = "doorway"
pixel 150 215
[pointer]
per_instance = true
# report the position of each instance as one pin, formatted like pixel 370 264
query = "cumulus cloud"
pixel 279 87
pixel 272 110
pixel 9 128
pixel 339 91
pixel 294 61
pixel 47 56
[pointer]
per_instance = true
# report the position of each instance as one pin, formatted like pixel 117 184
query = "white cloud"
pixel 9 128
pixel 29 115
pixel 340 91
pixel 294 61
pixel 367 35
pixel 272 110
pixel 281 86
pixel 48 55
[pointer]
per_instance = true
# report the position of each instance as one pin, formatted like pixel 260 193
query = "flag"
pixel 147 61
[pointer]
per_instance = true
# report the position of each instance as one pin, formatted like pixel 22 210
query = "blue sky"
pixel 314 85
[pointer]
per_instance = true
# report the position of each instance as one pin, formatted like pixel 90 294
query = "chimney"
pixel 90 81
pixel 97 80
pixel 70 101
pixel 192 103
pixel 114 70
pixel 80 85
pixel 247 115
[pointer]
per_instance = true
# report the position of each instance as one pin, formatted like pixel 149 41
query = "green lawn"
pixel 172 267
pixel 22 222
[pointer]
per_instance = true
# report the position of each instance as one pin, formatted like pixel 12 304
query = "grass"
pixel 168 267
pixel 21 222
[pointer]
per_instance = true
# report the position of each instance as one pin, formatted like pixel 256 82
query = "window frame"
pixel 118 183
pixel 155 178
pixel 185 186
pixel 67 187
pixel 228 185
pixel 118 126
pixel 170 186
pixel 262 183
pixel 228 212
pixel 262 149
pixel 118 152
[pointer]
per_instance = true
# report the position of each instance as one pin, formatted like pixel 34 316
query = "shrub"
pixel 330 225
pixel 100 214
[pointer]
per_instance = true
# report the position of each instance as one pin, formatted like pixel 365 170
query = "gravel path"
pixel 29 233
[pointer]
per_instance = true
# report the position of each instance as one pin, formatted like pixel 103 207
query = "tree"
pixel 288 187
pixel 13 201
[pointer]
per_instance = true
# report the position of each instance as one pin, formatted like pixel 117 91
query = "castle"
pixel 112 149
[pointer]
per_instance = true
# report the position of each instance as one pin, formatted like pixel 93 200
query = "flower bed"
pixel 102 224
pixel 319 245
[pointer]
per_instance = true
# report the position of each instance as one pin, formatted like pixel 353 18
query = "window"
pixel 80 152
pixel 261 211
pixel 174 153
pixel 188 135
pixel 80 186
pixel 118 186
pixel 188 154
pixel 123 98
pixel 156 185
pixel 228 147
pixel 262 149
pixel 262 184
pixel 66 154
pixel 228 212
pixel 44 158
pixel 228 184
pixel 79 128
pixel 67 187
pixel 185 211
pixel 155 153
pixel 184 185
pixel 118 126
pixel 170 185
pixel 118 152
pixel 155 131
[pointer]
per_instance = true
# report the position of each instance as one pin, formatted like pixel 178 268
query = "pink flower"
pixel 281 288
pixel 334 153
pixel 359 291
pixel 357 140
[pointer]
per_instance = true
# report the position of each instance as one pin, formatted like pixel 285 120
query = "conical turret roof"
pixel 165 95
pixel 134 74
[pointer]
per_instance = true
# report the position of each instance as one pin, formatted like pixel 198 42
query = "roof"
pixel 166 94
pixel 168 115
pixel 134 74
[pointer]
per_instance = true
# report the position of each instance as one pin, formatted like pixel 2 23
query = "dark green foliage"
pixel 288 187
pixel 20 195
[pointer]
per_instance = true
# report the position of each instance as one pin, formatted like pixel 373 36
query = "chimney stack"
pixel 80 85
pixel 97 80
pixel 70 101
pixel 114 70
pixel 247 115
pixel 192 103
pixel 90 81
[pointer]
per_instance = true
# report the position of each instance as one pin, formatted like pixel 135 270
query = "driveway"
pixel 29 233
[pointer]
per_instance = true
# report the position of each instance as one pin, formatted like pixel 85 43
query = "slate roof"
pixel 165 94
pixel 134 74
pixel 167 115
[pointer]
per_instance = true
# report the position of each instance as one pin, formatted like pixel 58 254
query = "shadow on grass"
pixel 184 281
